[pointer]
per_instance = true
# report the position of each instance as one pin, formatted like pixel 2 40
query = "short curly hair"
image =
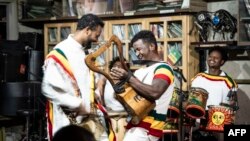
pixel 89 20
pixel 146 36
pixel 114 60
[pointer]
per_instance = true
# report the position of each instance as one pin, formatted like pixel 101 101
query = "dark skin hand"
pixel 151 92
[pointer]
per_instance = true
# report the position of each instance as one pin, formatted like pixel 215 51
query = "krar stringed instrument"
pixel 136 106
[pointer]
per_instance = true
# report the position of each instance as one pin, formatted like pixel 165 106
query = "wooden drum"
pixel 173 109
pixel 196 102
pixel 218 116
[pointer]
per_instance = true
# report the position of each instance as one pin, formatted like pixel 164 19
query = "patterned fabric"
pixel 111 133
pixel 226 78
pixel 61 59
pixel 155 120
pixel 164 72
pixel 65 69
pixel 58 56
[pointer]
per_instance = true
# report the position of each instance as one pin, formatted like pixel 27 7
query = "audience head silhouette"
pixel 73 133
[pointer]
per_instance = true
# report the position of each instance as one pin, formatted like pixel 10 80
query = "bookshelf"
pixel 42 10
pixel 171 32
pixel 124 29
pixel 55 33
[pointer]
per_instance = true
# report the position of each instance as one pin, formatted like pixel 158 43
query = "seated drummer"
pixel 220 86
pixel 106 90
pixel 113 106
pixel 154 82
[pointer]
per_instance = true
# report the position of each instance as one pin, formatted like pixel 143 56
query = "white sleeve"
pixel 57 86
pixel 196 82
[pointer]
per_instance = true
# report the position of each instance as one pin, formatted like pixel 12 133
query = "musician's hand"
pixel 81 110
pixel 118 73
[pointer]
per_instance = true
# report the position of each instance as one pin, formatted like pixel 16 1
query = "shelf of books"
pixel 46 10
pixel 172 37
pixel 171 32
pixel 124 30
pixel 55 33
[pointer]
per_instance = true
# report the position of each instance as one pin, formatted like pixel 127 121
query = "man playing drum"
pixel 155 83
pixel 221 90
pixel 115 109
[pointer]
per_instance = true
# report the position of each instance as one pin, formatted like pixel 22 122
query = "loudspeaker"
pixel 13 61
pixel 35 72
pixel 19 95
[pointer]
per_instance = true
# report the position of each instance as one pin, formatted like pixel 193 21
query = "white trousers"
pixel 139 134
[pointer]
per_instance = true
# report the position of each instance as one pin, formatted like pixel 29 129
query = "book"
pixel 71 9
pixel 247 4
pixel 95 6
pixel 126 5
pixel 110 5
pixel 80 8
pixel 194 5
pixel 174 56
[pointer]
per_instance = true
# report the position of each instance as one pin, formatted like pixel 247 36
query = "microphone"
pixel 179 71
pixel 27 48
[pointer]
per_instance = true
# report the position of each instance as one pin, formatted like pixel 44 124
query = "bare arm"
pixel 152 92
pixel 101 87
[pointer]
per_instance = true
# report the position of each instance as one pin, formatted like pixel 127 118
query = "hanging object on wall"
pixel 220 21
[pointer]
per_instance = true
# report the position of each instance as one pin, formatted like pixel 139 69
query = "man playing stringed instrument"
pixel 114 108
pixel 154 83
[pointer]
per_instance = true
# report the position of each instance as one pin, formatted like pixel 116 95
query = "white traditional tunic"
pixel 110 101
pixel 59 87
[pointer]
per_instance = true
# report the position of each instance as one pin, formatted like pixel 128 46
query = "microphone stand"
pixel 181 78
pixel 38 120
pixel 5 61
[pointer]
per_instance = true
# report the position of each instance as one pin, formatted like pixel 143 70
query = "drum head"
pixel 195 111
pixel 173 112
pixel 218 116
pixel 196 103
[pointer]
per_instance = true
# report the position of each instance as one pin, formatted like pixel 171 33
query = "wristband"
pixel 130 74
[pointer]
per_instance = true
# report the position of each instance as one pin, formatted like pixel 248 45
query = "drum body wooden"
pixel 136 106
pixel 218 116
pixel 173 109
pixel 196 103
pixel 171 126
